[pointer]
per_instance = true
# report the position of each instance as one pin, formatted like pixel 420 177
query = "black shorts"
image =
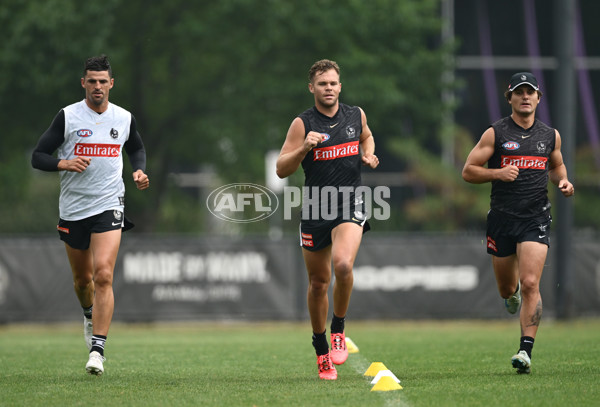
pixel 76 233
pixel 504 232
pixel 315 238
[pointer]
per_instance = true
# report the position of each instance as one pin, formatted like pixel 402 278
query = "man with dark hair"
pixel 521 153
pixel 326 139
pixel 98 64
pixel 89 137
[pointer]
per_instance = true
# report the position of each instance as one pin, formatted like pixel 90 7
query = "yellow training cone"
pixel 386 383
pixel 375 368
pixel 384 373
pixel 351 346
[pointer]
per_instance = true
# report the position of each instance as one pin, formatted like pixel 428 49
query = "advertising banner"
pixel 192 278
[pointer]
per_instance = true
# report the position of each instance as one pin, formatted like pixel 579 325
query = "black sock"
pixel 527 344
pixel 88 311
pixel 319 341
pixel 98 342
pixel 337 324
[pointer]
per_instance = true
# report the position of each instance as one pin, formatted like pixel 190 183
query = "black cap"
pixel 522 78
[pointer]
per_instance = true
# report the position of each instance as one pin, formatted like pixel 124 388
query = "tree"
pixel 214 86
pixel 217 85
pixel 44 45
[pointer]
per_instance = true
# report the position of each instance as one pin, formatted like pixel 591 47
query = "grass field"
pixel 460 363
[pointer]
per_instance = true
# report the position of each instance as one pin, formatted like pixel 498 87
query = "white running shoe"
pixel 87 332
pixel 521 362
pixel 512 304
pixel 94 365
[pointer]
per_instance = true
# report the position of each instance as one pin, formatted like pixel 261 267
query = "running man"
pixel 327 140
pixel 521 153
pixel 89 137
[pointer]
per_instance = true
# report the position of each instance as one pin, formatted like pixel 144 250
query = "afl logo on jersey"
pixel 511 145
pixel 325 137
pixel 84 133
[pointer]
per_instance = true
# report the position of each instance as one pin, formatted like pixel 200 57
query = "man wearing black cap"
pixel 521 153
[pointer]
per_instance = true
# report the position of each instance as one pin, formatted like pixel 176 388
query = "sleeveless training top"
pixel 336 161
pixel 100 136
pixel 528 149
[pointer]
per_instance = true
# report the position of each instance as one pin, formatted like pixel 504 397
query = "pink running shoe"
pixel 339 352
pixel 326 369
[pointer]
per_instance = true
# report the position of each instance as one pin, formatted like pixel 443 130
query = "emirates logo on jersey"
pixel 97 150
pixel 333 152
pixel 523 161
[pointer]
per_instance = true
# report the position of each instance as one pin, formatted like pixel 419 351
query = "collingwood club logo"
pixel 541 147
pixel 114 133
pixel 350 132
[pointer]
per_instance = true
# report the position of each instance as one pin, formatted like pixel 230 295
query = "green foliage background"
pixel 215 85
